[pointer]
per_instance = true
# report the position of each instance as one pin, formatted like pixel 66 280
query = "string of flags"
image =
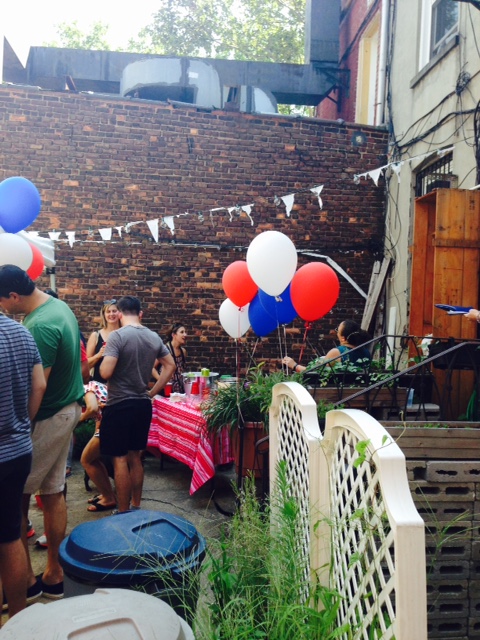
pixel 396 166
pixel 168 222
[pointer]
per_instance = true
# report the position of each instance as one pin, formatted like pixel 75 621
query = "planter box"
pixel 252 459
pixel 381 398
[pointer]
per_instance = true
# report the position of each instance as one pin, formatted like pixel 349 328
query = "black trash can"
pixel 150 551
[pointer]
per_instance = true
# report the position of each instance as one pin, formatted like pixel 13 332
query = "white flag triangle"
pixel 170 222
pixel 153 226
pixel 248 210
pixel 317 191
pixel 375 175
pixel 54 235
pixel 106 234
pixel 288 202
pixel 71 237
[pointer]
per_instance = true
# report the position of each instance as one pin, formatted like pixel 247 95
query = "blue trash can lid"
pixel 133 544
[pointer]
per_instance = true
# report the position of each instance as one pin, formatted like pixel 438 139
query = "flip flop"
pixel 94 499
pixel 97 506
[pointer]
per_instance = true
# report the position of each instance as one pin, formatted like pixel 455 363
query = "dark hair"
pixel 52 293
pixel 353 333
pixel 174 328
pixel 129 305
pixel 15 280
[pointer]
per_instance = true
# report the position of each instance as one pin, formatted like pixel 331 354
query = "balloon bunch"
pixel 19 206
pixel 267 290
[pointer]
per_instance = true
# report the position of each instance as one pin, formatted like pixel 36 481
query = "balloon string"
pixel 283 346
pixel 307 328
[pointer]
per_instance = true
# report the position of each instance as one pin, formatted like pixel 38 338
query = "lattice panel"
pixel 293 448
pixel 357 515
pixel 363 555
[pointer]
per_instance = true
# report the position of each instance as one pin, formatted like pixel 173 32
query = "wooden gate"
pixel 445 270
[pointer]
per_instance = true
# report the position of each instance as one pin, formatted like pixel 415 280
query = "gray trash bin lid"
pixel 114 613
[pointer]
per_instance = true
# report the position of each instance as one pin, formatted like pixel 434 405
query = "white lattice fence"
pixel 358 516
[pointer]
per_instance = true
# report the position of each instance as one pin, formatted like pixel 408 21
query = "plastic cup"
pixel 167 389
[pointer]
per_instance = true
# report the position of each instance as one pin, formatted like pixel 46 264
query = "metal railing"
pixel 361 533
pixel 396 351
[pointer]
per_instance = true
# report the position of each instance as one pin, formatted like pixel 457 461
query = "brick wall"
pixel 103 162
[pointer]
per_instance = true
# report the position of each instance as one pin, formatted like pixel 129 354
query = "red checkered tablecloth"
pixel 179 430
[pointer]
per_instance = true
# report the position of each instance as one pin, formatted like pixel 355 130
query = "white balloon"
pixel 272 261
pixel 15 250
pixel 234 320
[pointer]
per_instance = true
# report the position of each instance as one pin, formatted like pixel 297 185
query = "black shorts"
pixel 13 475
pixel 125 427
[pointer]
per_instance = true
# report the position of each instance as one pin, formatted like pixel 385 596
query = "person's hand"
pixel 290 362
pixel 473 314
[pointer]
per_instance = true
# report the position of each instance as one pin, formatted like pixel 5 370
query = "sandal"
pixel 98 506
pixel 95 499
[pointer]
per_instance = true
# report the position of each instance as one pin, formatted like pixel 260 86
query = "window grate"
pixel 436 176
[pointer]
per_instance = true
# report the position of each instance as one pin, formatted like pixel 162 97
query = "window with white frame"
pixel 439 25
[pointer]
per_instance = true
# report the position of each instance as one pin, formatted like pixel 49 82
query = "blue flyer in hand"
pixel 453 310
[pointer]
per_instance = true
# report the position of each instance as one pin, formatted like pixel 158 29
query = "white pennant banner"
pixel 54 235
pixel 375 175
pixel 153 226
pixel 248 210
pixel 170 223
pixel 119 229
pixel 317 191
pixel 71 237
pixel 288 202
pixel 106 234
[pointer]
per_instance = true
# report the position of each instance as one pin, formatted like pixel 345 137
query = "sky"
pixel 32 22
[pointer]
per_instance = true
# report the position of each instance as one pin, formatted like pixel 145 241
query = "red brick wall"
pixel 102 162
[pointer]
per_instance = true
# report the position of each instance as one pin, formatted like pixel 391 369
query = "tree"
pixel 73 38
pixel 261 30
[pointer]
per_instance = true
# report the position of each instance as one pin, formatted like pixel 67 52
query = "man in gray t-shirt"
pixel 130 354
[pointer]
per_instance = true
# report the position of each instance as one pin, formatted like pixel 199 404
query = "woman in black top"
pixel 177 338
pixel 109 321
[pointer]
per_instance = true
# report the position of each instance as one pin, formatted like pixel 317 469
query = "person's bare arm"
pixel 168 369
pixel 108 367
pixel 91 406
pixel 155 374
pixel 93 357
pixel 39 384
pixel 473 314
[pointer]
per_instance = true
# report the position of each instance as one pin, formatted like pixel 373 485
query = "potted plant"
pixel 245 407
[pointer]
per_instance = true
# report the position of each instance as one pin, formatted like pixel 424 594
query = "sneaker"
pixel 42 542
pixel 52 591
pixel 30 529
pixel 33 593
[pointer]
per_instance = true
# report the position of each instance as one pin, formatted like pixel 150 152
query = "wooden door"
pixel 445 269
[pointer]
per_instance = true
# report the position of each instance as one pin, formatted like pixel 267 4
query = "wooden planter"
pixel 252 459
pixel 381 398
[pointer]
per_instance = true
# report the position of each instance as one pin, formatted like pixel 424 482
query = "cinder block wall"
pixel 102 162
pixel 444 477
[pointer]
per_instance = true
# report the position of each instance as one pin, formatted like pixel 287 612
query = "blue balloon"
pixel 19 204
pixel 280 307
pixel 261 322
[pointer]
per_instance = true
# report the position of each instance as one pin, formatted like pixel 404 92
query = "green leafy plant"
pixel 82 434
pixel 259 587
pixel 249 400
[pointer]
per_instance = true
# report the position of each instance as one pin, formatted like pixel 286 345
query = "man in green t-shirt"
pixel 55 330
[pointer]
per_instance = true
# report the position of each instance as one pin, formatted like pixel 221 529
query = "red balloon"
pixel 314 290
pixel 238 284
pixel 36 268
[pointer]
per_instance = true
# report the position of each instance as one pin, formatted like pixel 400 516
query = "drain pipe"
pixel 382 70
